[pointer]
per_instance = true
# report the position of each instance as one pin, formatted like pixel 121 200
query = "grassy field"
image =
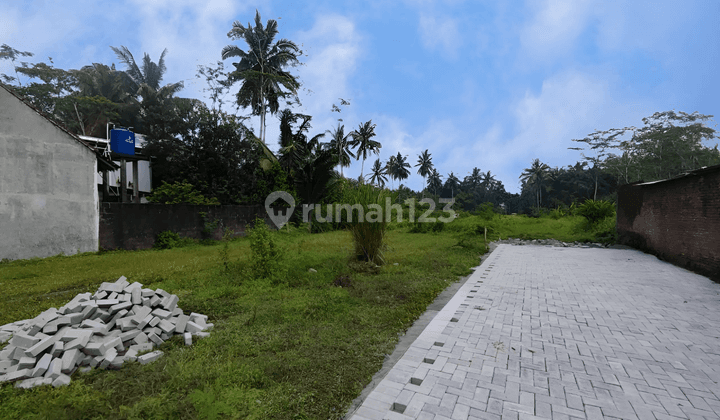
pixel 301 349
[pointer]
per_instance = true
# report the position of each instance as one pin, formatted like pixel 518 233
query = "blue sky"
pixel 490 84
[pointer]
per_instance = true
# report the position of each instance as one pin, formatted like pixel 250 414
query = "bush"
pixel 368 237
pixel 180 193
pixel 594 211
pixel 265 253
pixel 166 240
pixel 438 226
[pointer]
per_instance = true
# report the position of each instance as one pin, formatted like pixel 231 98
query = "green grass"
pixel 303 349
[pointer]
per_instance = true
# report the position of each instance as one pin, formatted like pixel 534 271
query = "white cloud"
pixel 440 34
pixel 554 28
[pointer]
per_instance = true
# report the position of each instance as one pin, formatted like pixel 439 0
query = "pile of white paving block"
pixel 103 330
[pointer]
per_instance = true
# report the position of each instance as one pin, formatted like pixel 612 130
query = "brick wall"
pixel 135 226
pixel 678 220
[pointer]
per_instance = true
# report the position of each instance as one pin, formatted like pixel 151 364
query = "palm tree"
pixel 402 168
pixel 261 68
pixel 453 183
pixel 144 81
pixel 426 166
pixel 378 174
pixel 341 146
pixel 535 176
pixel 435 181
pixel 391 170
pixel 488 182
pixel 362 139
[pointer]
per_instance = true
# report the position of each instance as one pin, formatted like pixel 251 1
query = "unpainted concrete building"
pixel 48 193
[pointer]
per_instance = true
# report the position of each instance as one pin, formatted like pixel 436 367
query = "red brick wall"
pixel 677 220
pixel 135 226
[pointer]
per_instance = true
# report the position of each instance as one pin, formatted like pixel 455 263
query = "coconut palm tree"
pixel 378 174
pixel 435 181
pixel 340 144
pixel 452 183
pixel 535 175
pixel 402 168
pixel 426 166
pixel 391 170
pixel 362 139
pixel 261 68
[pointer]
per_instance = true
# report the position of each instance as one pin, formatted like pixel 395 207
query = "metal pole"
pixel 136 184
pixel 123 181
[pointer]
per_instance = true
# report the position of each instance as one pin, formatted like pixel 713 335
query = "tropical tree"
pixel 157 108
pixel 391 170
pixel 362 139
pixel 452 183
pixel 534 176
pixel 340 145
pixel 378 174
pixel 435 181
pixel 261 69
pixel 402 168
pixel 426 166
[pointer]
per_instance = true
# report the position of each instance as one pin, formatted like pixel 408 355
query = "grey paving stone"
pixel 574 333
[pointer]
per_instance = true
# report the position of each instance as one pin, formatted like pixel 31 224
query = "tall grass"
pixel 368 232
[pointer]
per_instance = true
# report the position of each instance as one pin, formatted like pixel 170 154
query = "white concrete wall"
pixel 144 176
pixel 48 193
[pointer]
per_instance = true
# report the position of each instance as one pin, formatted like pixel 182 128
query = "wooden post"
pixel 136 183
pixel 485 234
pixel 106 186
pixel 123 181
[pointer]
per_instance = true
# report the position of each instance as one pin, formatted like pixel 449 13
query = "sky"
pixel 485 84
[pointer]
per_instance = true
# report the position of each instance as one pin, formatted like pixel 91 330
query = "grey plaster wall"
pixel 48 196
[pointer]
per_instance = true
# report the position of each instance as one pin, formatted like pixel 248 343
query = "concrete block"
pixel 181 323
pixel 154 321
pixel 63 320
pixel 116 343
pixel 155 339
pixel 145 321
pixel 140 338
pixel 61 380
pixel 50 327
pixel 33 329
pixel 198 318
pixel 106 302
pixel 193 327
pixel 165 336
pixel 42 365
pixel 136 296
pixel 155 301
pixel 147 293
pixel 177 311
pixel 75 318
pixel 170 303
pixel 55 369
pixel 122 281
pixel 162 313
pixel 29 383
pixel 18 354
pixel 162 293
pixel 70 359
pixel 101 294
pixel 4 365
pixel 146 302
pixel 131 354
pixel 129 335
pixel 133 286
pixel 120 306
pixel 140 312
pixel 201 334
pixel 94 349
pixel 40 347
pixel 113 296
pixel 96 361
pixel 27 362
pixel 141 347
pixel 125 297
pixel 79 342
pixel 5 337
pixel 166 326
pixel 18 374
pixel 90 309
pixel 188 339
pixel 57 349
pixel 109 358
pixel 149 357
pixel 7 352
pixel 24 341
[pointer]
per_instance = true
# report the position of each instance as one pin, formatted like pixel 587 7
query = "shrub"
pixel 265 253
pixel 438 226
pixel 594 211
pixel 166 240
pixel 179 193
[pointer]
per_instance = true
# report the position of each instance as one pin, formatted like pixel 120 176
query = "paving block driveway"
pixel 563 333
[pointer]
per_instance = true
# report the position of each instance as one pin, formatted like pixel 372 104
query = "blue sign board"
pixel 122 141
